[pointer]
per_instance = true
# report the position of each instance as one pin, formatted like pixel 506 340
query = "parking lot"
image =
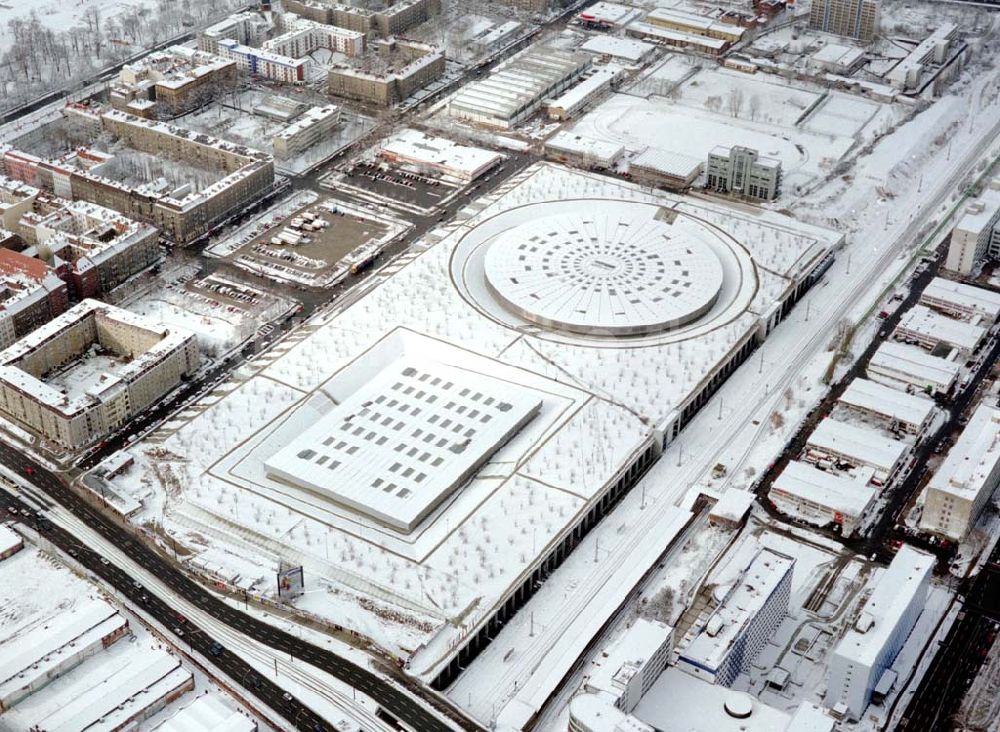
pixel 395 185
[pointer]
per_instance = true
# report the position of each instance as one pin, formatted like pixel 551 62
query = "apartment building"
pixel 306 131
pixel 851 18
pixel 412 66
pixel 977 234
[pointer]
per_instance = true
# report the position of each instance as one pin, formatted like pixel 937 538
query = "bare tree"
pixel 735 101
pixel 753 107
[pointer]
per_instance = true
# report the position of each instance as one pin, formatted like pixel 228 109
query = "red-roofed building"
pixel 31 294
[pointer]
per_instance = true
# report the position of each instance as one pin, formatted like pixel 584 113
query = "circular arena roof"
pixel 610 272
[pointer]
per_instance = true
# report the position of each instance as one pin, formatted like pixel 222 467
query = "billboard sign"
pixel 290 582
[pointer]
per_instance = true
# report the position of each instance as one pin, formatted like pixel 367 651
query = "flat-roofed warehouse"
pixel 675 171
pixel 584 151
pixel 822 498
pixel 932 330
pixel 897 364
pixel 516 89
pixel 899 410
pixel 967 479
pixel 858 446
pixel 623 49
pixel 960 300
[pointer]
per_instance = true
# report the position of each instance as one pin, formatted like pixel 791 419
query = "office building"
pixel 870 646
pixel 966 480
pixel 740 171
pixel 628 668
pixel 851 18
pixel 746 617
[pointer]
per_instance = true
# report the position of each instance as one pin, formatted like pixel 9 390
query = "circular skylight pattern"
pixel 611 273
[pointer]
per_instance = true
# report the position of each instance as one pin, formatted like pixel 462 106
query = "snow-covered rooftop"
pixel 972 461
pixel 849 495
pixel 962 297
pixel 579 93
pixel 858 444
pixel 905 577
pixel 601 150
pixel 738 609
pixel 610 270
pixel 404 441
pixel 608 12
pixel 655 32
pixel 623 48
pixel 628 655
pixel 931 325
pixel 898 405
pixel 413 146
pixel 914 362
pixel 9 539
pixel 208 713
pixel 981 212
pixel 668 162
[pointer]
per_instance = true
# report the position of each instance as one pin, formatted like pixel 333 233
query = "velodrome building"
pixel 434 449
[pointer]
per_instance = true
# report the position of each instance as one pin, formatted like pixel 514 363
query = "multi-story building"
pixel 870 646
pixel 852 18
pixel 740 171
pixel 42 390
pixel 726 644
pixel 31 294
pixel 301 36
pixel 928 59
pixel 247 28
pixel 170 82
pixel 306 131
pixel 414 65
pixel 182 214
pixel 628 668
pixel 966 480
pixel 823 498
pixel 516 88
pixel 394 19
pixel 264 63
pixel 977 234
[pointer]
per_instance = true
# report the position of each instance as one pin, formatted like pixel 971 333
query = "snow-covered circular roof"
pixel 617 272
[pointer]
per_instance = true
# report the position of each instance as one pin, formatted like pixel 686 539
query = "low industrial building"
pixel 931 330
pixel 516 89
pixel 583 151
pixel 895 409
pixel 904 367
pixel 977 234
pixel 966 480
pixel 30 661
pixel 670 170
pixel 577 98
pixel 741 171
pixel 840 442
pixel 870 646
pixel 962 301
pixel 438 156
pixel 412 66
pixel 746 617
pixel 823 498
pixel 208 713
pixel 838 59
pixel 171 82
pixel 699 25
pixel 678 39
pixel 620 49
pixel 50 385
pixel 606 15
pixel 306 131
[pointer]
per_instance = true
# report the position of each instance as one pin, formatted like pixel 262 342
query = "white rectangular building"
pixel 631 665
pixel 208 713
pixel 666 168
pixel 897 409
pixel 967 479
pixel 586 151
pixel 823 498
pixel 10 542
pixel 743 622
pixel 438 155
pixel 931 330
pixel 879 633
pixel 622 49
pixel 858 446
pixel 572 101
pixel 960 300
pixel 974 237
pixel 903 366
